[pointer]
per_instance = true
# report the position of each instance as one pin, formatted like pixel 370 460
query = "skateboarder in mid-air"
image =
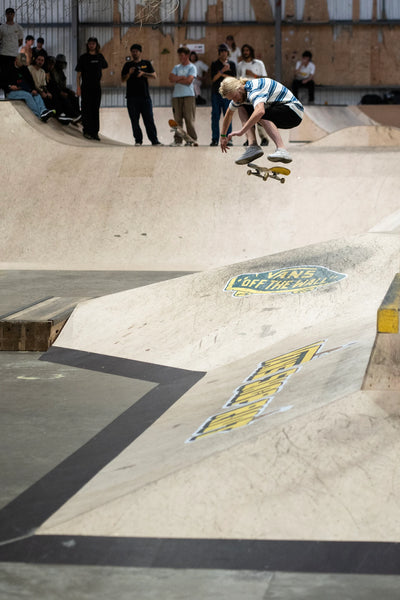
pixel 260 100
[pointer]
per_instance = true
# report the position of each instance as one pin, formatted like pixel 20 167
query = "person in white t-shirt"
pixel 304 75
pixel 234 52
pixel 201 69
pixel 252 68
pixel 11 38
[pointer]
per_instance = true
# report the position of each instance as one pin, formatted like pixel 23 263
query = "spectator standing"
pixel 202 70
pixel 220 68
pixel 89 71
pixel 27 49
pixel 234 52
pixel 252 68
pixel 136 73
pixel 183 96
pixel 304 75
pixel 11 38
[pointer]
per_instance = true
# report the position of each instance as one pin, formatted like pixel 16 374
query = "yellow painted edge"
pixel 388 312
pixel 388 320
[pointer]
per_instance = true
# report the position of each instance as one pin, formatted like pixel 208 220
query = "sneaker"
pixel 264 142
pixel 46 114
pixel 214 143
pixel 77 119
pixel 280 155
pixel 138 143
pixel 88 136
pixel 64 119
pixel 174 143
pixel 157 143
pixel 251 153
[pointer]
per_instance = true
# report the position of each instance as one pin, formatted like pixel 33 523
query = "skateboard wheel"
pixel 282 180
pixel 249 172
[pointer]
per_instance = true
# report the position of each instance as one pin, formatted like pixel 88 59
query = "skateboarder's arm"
pixel 226 121
pixel 224 128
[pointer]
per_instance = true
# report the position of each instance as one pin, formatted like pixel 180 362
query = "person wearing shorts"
pixel 260 100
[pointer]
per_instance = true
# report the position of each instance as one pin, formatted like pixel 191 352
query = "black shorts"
pixel 280 114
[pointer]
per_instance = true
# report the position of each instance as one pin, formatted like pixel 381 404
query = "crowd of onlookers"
pixel 29 73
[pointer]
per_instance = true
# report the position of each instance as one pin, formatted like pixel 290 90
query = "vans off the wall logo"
pixel 288 280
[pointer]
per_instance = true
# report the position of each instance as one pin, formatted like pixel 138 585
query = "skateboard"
pixel 265 172
pixel 175 127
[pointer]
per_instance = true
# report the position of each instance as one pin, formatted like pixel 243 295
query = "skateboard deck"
pixel 265 172
pixel 178 129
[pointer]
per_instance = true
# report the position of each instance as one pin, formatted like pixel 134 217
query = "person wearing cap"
pixel 136 73
pixel 22 87
pixel 183 96
pixel 39 50
pixel 65 101
pixel 89 71
pixel 235 54
pixel 260 100
pixel 220 68
pixel 11 38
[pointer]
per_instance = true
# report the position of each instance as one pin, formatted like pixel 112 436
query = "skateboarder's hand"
pixel 224 144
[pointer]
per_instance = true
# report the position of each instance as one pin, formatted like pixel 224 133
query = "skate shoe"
pixel 280 155
pixel 251 153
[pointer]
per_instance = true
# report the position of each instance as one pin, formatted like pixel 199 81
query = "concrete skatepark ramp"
pixel 249 442
pixel 128 213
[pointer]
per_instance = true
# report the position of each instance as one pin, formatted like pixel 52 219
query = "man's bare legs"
pixel 273 133
pixel 280 154
pixel 251 133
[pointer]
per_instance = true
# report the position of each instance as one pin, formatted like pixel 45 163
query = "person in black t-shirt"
pixel 89 70
pixel 136 73
pixel 220 68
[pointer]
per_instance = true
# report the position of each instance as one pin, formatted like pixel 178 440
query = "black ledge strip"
pixel 379 558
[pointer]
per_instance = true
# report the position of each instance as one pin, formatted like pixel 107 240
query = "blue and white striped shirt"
pixel 269 92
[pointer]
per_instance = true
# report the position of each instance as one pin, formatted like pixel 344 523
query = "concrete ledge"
pixel 35 327
pixel 383 371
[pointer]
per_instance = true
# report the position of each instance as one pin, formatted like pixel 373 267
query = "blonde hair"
pixel 231 84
